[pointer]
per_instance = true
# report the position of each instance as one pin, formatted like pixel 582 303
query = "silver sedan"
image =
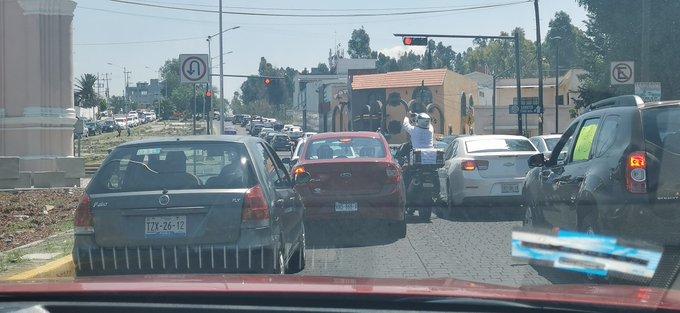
pixel 485 170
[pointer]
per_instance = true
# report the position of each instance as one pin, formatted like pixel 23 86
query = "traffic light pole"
pixel 222 114
pixel 517 59
pixel 193 115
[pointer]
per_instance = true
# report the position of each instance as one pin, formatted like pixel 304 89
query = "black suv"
pixel 620 174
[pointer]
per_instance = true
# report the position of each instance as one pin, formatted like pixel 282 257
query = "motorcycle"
pixel 420 168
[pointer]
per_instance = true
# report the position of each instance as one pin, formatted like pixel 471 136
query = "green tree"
pixel 570 44
pixel 322 68
pixel 85 94
pixel 119 104
pixel 615 33
pixel 359 45
pixel 180 96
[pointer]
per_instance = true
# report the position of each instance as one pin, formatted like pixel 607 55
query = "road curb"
pixel 62 267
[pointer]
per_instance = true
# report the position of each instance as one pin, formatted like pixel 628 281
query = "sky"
pixel 109 36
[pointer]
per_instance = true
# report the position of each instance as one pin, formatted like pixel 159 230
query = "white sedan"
pixel 485 170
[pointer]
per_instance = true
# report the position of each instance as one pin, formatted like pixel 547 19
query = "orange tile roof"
pixel 400 79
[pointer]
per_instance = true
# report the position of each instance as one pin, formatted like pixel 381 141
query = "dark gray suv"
pixel 190 205
pixel 615 171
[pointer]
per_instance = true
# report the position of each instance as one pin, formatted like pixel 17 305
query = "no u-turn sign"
pixel 194 68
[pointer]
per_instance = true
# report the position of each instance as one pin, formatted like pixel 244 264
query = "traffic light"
pixel 415 41
pixel 267 82
pixel 208 93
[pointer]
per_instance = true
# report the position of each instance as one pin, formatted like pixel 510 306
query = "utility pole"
pixel 221 73
pixel 556 40
pixel 209 85
pixel 539 60
pixel 518 74
pixel 193 115
pixel 106 80
pixel 644 43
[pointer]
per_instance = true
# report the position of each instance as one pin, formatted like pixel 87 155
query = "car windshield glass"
pixel 345 148
pixel 174 167
pixel 551 143
pixel 498 145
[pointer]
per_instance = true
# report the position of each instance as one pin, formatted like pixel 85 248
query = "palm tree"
pixel 85 95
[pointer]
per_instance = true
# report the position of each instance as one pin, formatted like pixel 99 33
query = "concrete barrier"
pixel 62 267
pixel 48 179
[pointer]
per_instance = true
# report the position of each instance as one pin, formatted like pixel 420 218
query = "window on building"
pixel 144 92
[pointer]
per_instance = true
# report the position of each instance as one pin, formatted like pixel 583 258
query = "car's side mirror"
pixel 537 160
pixel 303 178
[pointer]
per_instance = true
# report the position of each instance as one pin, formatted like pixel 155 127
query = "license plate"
pixel 509 188
pixel 346 206
pixel 165 226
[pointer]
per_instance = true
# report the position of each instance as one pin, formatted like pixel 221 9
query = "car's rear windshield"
pixel 551 143
pixel 498 145
pixel 345 148
pixel 175 166
pixel 662 127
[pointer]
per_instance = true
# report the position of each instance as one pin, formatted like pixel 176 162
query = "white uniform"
pixel 420 138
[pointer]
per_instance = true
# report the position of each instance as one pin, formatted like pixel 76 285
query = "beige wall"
pixel 506 123
pixel 36 79
pixel 455 85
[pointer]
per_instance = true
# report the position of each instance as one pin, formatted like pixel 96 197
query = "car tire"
pixel 298 260
pixel 425 213
pixel 397 229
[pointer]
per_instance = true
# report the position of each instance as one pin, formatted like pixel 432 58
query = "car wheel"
pixel 425 213
pixel 297 261
pixel 398 229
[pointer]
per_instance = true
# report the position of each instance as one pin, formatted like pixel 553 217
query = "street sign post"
pixel 648 91
pixel 194 69
pixel 622 72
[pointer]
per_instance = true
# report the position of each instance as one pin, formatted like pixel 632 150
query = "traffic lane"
pixel 477 250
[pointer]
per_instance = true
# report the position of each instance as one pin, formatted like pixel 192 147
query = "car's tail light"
pixel 255 208
pixel 636 172
pixel 84 223
pixel 392 174
pixel 471 165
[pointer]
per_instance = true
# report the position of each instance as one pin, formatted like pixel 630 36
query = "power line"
pixel 136 42
pixel 145 15
pixel 303 9
pixel 325 15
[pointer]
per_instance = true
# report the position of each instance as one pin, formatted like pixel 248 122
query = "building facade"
pixel 146 94
pixel 506 95
pixel 381 101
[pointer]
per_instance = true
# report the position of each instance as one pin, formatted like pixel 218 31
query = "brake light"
pixel 84 223
pixel 255 208
pixel 392 174
pixel 636 172
pixel 468 165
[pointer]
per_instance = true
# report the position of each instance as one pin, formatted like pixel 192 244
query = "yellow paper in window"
pixel 584 142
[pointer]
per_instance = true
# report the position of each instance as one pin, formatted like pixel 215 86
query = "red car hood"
pixel 609 296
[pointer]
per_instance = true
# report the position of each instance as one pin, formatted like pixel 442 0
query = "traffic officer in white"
pixel 422 134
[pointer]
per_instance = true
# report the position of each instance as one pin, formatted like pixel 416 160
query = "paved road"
pixel 477 250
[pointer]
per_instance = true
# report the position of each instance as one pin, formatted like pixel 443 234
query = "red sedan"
pixel 353 178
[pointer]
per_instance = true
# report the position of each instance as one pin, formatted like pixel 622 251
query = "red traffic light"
pixel 208 93
pixel 267 82
pixel 415 41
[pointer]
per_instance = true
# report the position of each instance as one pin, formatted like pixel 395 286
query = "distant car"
pixel 108 126
pixel 615 172
pixel 354 182
pixel 308 134
pixel 281 142
pixel 153 206
pixel 485 170
pixel 545 143
pixel 121 121
pixel 255 130
pixel 287 127
pixel 270 136
pixel 295 154
pixel 294 135
pixel 264 131
pixel 230 130
pixel 93 127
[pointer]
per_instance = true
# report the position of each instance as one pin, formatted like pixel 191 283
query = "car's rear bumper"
pixel 500 201
pixel 488 190
pixel 250 254
pixel 389 206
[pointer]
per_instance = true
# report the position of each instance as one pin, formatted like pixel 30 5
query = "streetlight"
pixel 125 76
pixel 221 56
pixel 556 40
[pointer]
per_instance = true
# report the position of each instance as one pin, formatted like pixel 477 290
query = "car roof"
pixel 199 138
pixel 485 137
pixel 548 136
pixel 359 134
